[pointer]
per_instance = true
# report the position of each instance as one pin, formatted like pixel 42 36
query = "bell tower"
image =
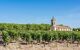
pixel 53 23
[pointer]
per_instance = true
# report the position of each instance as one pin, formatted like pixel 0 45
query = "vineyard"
pixel 45 37
pixel 36 34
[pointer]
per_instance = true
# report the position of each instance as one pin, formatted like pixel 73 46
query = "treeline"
pixel 35 27
pixel 76 29
pixel 40 36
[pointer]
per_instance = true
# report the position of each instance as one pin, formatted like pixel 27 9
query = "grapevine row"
pixel 39 36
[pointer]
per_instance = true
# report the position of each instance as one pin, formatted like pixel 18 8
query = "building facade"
pixel 56 27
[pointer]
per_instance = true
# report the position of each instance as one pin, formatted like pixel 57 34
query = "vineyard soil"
pixel 51 46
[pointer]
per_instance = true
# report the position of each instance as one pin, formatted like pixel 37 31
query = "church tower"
pixel 53 23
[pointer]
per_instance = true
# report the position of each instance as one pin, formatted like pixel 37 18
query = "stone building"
pixel 56 27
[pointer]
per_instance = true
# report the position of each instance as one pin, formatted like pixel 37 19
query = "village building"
pixel 56 27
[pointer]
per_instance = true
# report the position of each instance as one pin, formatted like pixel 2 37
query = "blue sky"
pixel 66 12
